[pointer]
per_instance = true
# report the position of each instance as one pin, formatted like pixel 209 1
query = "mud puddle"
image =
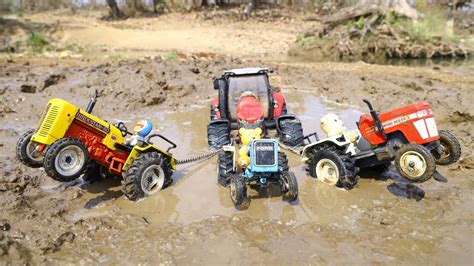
pixel 196 196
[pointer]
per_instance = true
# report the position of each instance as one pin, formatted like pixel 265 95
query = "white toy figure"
pixel 333 126
pixel 141 129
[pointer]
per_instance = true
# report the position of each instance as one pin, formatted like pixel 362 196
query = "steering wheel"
pixel 123 129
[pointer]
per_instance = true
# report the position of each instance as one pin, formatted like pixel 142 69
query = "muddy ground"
pixel 193 221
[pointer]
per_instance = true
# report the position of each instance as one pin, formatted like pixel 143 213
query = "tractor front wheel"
pixel 225 168
pixel 451 149
pixel 291 186
pixel 238 190
pixel 333 169
pixel 26 151
pixel 148 174
pixel 66 159
pixel 415 163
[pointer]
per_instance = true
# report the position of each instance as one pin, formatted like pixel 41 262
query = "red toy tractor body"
pixel 415 122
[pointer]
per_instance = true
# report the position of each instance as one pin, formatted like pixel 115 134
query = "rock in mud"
pixel 67 237
pixel 53 80
pixel 28 88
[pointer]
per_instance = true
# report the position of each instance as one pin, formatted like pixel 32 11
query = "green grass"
pixel 170 57
pixel 37 42
pixel 429 28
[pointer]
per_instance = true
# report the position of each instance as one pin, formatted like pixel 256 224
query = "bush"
pixel 37 41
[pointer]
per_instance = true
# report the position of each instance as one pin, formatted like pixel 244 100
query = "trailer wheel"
pixel 333 169
pixel 218 135
pixel 148 174
pixel 451 149
pixel 225 168
pixel 291 132
pixel 415 163
pixel 26 150
pixel 66 159
pixel 291 186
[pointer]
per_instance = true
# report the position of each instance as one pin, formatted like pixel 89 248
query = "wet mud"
pixel 383 220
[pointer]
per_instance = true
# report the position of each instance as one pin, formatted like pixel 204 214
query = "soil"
pixel 383 220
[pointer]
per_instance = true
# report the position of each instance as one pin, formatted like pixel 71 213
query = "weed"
pixel 170 57
pixel 36 41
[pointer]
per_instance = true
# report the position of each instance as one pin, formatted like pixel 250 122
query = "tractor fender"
pixel 345 146
pixel 281 118
pixel 137 150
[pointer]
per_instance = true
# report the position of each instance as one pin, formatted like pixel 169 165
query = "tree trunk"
pixel 114 10
pixel 367 7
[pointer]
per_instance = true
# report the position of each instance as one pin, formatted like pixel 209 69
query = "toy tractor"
pixel 408 136
pixel 258 162
pixel 246 100
pixel 69 142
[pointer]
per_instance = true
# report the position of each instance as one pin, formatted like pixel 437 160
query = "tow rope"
pixel 198 158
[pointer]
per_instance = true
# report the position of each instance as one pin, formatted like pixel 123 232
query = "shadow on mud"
pixel 400 187
pixel 104 191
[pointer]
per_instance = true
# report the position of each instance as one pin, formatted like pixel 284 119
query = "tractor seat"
pixel 249 109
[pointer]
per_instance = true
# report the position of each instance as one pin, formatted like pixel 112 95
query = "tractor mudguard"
pixel 279 119
pixel 137 150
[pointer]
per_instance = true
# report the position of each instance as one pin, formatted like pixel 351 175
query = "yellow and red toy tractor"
pixel 69 142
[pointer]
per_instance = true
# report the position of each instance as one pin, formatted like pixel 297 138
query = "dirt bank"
pixel 193 221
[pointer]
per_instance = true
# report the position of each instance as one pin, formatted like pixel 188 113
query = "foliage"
pixel 36 41
pixel 170 57
pixel 431 26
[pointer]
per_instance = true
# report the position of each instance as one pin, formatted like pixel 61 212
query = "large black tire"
pixel 225 168
pixel 291 132
pixel 238 190
pixel 25 151
pixel 95 172
pixel 451 148
pixel 282 163
pixel 338 170
pixel 415 163
pixel 291 186
pixel 218 135
pixel 66 159
pixel 148 174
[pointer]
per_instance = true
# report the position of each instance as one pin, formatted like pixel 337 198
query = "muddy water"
pixel 195 194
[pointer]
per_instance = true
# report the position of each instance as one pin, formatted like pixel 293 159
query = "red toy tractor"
pixel 246 100
pixel 407 135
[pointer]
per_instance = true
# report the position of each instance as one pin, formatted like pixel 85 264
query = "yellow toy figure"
pixel 141 129
pixel 333 126
pixel 246 135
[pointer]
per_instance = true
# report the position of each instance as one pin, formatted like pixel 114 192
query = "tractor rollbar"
pixel 173 145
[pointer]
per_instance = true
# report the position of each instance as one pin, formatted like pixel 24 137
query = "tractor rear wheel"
pixel 66 159
pixel 451 149
pixel 26 150
pixel 291 186
pixel 225 168
pixel 291 132
pixel 333 169
pixel 415 163
pixel 218 135
pixel 148 174
pixel 238 190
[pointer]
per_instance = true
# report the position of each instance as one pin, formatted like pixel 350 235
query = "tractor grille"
pixel 264 154
pixel 48 121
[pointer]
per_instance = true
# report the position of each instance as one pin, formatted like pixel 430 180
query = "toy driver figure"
pixel 278 99
pixel 141 129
